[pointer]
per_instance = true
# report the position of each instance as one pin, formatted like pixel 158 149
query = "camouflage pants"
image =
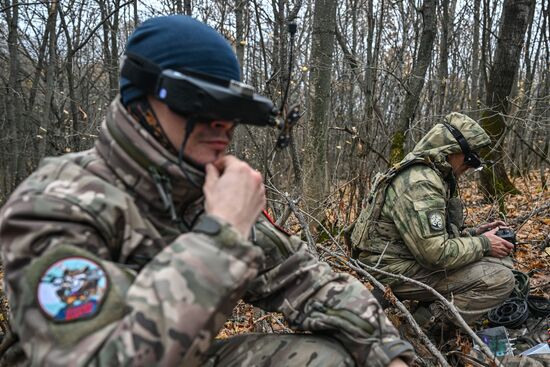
pixel 278 350
pixel 474 289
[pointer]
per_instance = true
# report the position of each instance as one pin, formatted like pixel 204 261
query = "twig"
pixel 325 230
pixel 363 141
pixel 285 328
pixel 262 318
pixel 518 135
pixel 303 224
pixel 524 218
pixel 309 237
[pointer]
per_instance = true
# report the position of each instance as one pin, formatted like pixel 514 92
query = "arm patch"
pixel 431 214
pixel 72 288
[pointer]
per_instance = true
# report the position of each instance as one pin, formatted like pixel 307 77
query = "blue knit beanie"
pixel 179 41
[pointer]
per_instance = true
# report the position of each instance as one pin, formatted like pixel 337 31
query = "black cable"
pixel 189 127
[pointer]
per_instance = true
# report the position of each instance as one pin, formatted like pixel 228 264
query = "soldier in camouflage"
pixel 413 225
pixel 126 254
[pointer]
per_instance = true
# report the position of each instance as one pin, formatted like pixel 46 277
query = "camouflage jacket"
pixel 419 221
pixel 97 272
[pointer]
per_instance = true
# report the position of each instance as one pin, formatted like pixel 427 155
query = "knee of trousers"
pixel 499 281
pixel 322 351
pixel 290 350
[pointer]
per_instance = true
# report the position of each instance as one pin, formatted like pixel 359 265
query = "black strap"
pixel 470 158
pixel 141 72
pixel 464 146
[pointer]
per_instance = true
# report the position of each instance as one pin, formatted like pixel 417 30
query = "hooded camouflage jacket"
pixel 412 231
pixel 98 273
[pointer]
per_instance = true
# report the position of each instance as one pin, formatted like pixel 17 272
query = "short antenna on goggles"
pixel 293 114
pixel 292 27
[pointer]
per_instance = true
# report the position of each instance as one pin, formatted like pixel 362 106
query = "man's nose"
pixel 222 124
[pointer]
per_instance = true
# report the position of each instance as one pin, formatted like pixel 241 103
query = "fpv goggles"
pixel 471 158
pixel 201 96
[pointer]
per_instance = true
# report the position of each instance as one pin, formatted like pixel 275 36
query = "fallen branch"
pixel 524 218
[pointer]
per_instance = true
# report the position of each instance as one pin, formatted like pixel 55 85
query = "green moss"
pixel 495 181
pixel 397 151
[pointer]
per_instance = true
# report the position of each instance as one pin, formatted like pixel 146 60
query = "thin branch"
pixel 524 218
pixel 529 146
pixel 365 143
pixel 399 305
pixel 92 33
pixel 303 224
pixel 21 4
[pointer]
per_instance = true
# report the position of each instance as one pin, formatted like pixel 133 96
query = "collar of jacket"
pixel 142 163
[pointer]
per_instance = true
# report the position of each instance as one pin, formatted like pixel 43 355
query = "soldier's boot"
pixel 432 318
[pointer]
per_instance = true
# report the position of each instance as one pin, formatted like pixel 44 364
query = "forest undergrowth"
pixel 528 214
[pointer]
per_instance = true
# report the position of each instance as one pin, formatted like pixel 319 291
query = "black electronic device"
pixel 201 96
pixel 507 234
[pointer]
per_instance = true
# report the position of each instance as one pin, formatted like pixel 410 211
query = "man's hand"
pixel 488 226
pixel 234 192
pixel 499 247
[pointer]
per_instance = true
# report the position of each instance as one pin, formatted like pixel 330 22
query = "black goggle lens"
pixel 473 160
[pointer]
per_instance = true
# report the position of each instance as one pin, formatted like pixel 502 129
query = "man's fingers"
pixel 508 245
pixel 222 163
pixel 493 231
pixel 212 175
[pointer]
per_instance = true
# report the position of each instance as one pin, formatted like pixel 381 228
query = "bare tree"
pixel 513 26
pixel 322 48
pixel 474 90
pixel 415 82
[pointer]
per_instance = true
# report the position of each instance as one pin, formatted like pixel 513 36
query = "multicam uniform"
pixel 98 273
pixel 412 226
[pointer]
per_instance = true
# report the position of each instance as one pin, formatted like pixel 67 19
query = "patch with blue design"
pixel 72 289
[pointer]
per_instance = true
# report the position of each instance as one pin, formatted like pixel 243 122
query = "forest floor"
pixel 528 215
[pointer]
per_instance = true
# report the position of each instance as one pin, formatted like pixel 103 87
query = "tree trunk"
pixel 110 43
pixel 13 95
pixel 415 82
pixel 443 71
pixel 136 16
pixel 240 6
pixel 240 135
pixel 474 89
pixel 324 26
pixel 187 7
pixel 513 25
pixel 50 78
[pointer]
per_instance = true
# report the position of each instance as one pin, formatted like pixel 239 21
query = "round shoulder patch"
pixel 436 220
pixel 71 289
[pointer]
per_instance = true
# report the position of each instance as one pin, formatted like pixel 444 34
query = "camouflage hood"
pixel 438 143
pixel 143 164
